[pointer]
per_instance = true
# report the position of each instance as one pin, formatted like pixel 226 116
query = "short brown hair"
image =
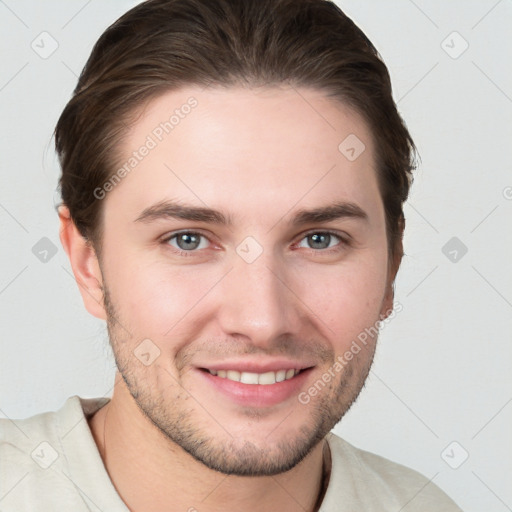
pixel 162 45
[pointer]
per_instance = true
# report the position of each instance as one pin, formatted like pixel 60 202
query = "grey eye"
pixel 188 241
pixel 320 240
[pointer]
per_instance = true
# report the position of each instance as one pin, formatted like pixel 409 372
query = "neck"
pixel 150 472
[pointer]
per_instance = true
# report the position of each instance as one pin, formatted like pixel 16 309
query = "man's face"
pixel 258 297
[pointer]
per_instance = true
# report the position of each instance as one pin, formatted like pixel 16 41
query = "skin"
pixel 258 155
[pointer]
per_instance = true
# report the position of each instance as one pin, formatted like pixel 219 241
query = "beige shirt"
pixel 50 462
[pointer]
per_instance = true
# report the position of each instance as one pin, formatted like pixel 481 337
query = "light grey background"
pixel 442 371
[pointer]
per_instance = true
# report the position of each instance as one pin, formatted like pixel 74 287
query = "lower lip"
pixel 257 395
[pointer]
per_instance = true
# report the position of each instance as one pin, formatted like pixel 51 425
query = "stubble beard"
pixel 231 455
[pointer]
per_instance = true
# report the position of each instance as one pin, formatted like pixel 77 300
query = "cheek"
pixel 162 300
pixel 347 300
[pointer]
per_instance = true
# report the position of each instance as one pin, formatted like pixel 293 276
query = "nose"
pixel 258 303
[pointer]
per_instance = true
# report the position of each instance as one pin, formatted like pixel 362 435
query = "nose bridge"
pixel 255 302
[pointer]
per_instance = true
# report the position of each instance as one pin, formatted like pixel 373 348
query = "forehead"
pixel 247 149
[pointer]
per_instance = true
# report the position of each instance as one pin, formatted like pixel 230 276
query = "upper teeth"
pixel 255 378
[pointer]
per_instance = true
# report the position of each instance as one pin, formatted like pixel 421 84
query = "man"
pixel 233 175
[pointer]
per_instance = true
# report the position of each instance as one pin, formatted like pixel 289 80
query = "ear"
pixel 84 263
pixel 394 264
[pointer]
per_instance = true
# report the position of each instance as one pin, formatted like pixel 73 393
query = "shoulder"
pixel 26 435
pixel 32 458
pixel 374 481
pixel 21 438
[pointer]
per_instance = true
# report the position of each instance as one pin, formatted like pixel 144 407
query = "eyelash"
pixel 344 242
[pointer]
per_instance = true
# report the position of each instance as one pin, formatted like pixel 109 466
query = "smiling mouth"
pixel 266 378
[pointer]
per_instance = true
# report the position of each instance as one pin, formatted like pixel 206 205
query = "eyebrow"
pixel 173 210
